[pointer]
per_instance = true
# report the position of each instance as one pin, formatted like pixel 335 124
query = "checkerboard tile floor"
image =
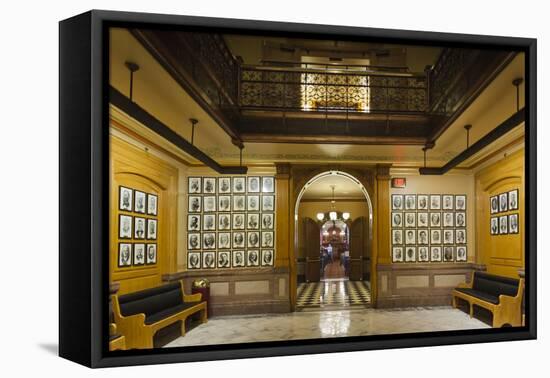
pixel 333 293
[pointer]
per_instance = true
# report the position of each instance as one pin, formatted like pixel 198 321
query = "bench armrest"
pixel 192 297
pixel 464 285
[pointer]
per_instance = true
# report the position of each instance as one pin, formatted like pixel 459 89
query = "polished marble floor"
pixel 323 324
pixel 332 293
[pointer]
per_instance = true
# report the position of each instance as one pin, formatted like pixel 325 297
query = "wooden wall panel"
pixel 502 254
pixel 136 168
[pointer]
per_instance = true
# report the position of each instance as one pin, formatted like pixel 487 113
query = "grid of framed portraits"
pixel 231 222
pixel 428 228
pixel 137 227
pixel 501 223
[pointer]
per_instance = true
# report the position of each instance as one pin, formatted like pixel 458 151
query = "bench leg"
pixel 471 310
pixel 454 301
pixel 183 326
pixel 204 316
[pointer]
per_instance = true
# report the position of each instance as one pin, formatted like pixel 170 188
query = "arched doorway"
pixel 333 241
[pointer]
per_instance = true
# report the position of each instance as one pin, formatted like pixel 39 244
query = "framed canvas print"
pixel 293 145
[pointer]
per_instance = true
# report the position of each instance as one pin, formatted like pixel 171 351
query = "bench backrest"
pixel 151 301
pixel 495 285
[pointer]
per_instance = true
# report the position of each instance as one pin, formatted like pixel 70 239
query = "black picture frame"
pixel 150 259
pixel 513 199
pixel 143 207
pixel 152 200
pixel 129 234
pixel 121 206
pixel 84 168
pixel 130 247
pixel 511 219
pixel 494 205
pixel 141 261
pixel 140 234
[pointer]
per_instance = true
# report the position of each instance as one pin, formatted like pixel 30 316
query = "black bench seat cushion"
pixel 168 312
pixel 479 294
pixel 151 301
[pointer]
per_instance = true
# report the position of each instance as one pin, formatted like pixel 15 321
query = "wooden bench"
pixel 500 295
pixel 116 340
pixel 138 316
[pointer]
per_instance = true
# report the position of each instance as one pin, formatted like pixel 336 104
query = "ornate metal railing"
pixel 331 90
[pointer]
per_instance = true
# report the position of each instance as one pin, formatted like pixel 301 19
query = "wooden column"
pixel 284 216
pixel 381 225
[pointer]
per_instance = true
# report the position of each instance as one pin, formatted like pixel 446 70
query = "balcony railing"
pixel 331 89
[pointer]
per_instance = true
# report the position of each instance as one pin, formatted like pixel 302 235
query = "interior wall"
pixel 501 254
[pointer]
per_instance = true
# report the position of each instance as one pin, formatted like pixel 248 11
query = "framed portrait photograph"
pixel 238 260
pixel 435 202
pixel 194 205
pixel 410 220
pixel 238 221
pixel 253 257
pixel 140 199
pixel 423 237
pixel 239 203
pixel 397 254
pixel 460 219
pixel 397 219
pixel 448 219
pixel 435 254
pixel 503 202
pixel 139 254
pixel 268 184
pixel 124 255
pixel 397 202
pixel 224 185
pixel 435 236
pixel 268 203
pixel 209 240
pixel 125 226
pixel 238 240
pixel 423 220
pixel 397 237
pixel 448 202
pixel 152 229
pixel 494 204
pixel 296 122
pixel 193 260
pixel 460 202
pixel 460 234
pixel 209 185
pixel 194 185
pixel 209 204
pixel 503 224
pixel 268 221
pixel 448 253
pixel 151 255
pixel 224 240
pixel 495 229
pixel 513 199
pixel 253 239
pixel 152 204
pixel 253 221
pixel 209 222
pixel 513 223
pixel 267 257
pixel 435 219
pixel 461 254
pixel 410 254
pixel 194 240
pixel 410 201
pixel 224 259
pixel 267 239
pixel 193 222
pixel 208 260
pixel 423 254
pixel 139 228
pixel 224 222
pixel 253 203
pixel 448 236
pixel 125 196
pixel 253 184
pixel 239 185
pixel 410 237
pixel 423 202
pixel 224 203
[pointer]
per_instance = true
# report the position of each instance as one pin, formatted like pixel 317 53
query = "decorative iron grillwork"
pixel 310 90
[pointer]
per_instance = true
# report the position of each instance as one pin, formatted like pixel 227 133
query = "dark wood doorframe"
pixel 358 247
